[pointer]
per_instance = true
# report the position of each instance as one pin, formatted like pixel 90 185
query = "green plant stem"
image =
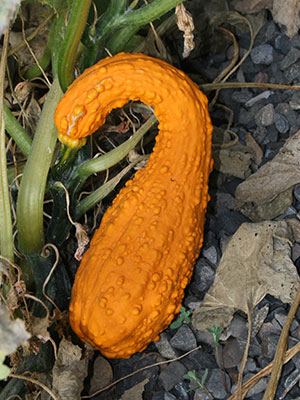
pixel 44 61
pixel 33 184
pixel 16 131
pixel 116 155
pixel 99 194
pixel 122 24
pixel 148 13
pixel 75 28
pixel 6 233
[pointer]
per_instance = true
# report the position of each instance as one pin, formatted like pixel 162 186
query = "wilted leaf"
pixel 286 12
pixel 12 332
pixel 234 160
pixel 185 23
pixel 69 371
pixel 255 262
pixel 12 335
pixel 136 392
pixel 252 6
pixel 275 178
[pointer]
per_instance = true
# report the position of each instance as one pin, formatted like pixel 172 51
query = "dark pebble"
pixel 184 339
pixel 171 375
pixel 290 59
pixel 262 54
pixel 282 43
pixel 281 123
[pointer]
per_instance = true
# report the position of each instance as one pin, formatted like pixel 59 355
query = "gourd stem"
pixel 16 131
pixel 116 155
pixel 6 234
pixel 33 184
pixel 75 28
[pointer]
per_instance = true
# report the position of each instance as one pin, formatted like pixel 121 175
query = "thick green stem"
pixel 33 184
pixel 16 131
pixel 99 194
pixel 148 13
pixel 6 233
pixel 75 28
pixel 116 155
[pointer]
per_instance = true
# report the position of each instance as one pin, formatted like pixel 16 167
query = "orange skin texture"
pixel 131 280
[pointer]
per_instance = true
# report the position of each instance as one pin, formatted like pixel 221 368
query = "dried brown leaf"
pixel 185 24
pixel 136 392
pixel 253 6
pixel 69 371
pixel 256 262
pixel 274 178
pixel 286 12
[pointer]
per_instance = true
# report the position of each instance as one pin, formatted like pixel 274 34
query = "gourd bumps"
pixel 131 281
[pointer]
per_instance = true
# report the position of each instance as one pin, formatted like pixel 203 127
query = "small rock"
pixel 204 274
pixel 290 212
pixel 184 339
pixel 250 366
pixel 264 95
pixel 238 327
pixel 261 77
pixel 269 345
pixel 224 200
pixel 261 135
pixel 281 123
pixel 169 396
pixel 242 96
pixel 164 348
pixel 254 349
pixel 292 73
pixel 295 101
pixel 199 357
pixel 211 254
pixel 231 354
pixel 200 395
pixel 290 59
pixel 180 391
pixel 262 54
pixel 273 134
pixel 171 375
pixel 290 114
pixel 214 384
pixel 292 379
pixel 282 43
pixel 297 192
pixel 265 116
pixel 258 388
pixel 296 251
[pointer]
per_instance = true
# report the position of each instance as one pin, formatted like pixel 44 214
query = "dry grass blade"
pixel 234 58
pixel 206 87
pixel 264 372
pixel 280 351
pixel 35 382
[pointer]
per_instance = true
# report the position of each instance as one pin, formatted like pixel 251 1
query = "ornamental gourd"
pixel 131 280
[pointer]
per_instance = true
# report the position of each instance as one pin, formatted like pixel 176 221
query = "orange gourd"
pixel 131 280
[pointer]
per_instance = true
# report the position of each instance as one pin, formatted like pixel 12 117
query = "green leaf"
pixel 4 370
pixel 57 5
